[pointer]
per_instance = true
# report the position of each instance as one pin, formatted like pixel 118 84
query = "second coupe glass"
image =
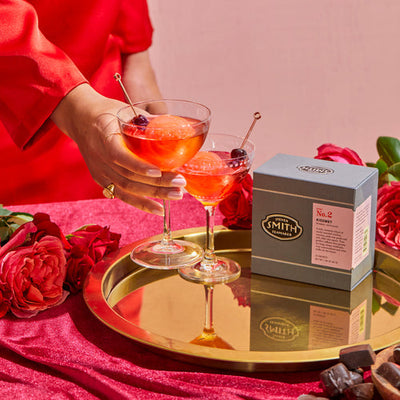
pixel 211 175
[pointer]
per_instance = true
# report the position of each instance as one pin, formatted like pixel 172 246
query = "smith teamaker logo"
pixel 279 329
pixel 281 227
pixel 312 169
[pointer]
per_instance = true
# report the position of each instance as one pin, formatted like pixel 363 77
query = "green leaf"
pixel 386 177
pixel 394 170
pixel 389 149
pixel 381 165
pixel 5 233
pixel 4 211
pixel 20 218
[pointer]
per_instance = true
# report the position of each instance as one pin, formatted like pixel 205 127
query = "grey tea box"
pixel 314 221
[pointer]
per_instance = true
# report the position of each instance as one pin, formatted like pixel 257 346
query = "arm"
pixel 139 78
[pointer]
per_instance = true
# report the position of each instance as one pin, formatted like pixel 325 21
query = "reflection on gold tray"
pixel 289 326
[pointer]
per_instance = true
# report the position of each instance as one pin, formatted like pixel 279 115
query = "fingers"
pixel 119 154
pixel 140 191
pixel 167 179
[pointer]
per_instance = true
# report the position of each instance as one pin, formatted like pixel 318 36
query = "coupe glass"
pixel 211 175
pixel 171 138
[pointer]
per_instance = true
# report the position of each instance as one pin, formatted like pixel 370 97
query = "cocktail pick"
pixel 138 119
pixel 241 152
pixel 256 117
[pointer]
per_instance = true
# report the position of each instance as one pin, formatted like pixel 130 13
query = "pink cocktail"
pixel 211 175
pixel 167 140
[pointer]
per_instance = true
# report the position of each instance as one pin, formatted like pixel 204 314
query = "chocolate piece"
pixel 396 354
pixel 338 378
pixel 311 397
pixel 362 391
pixel 391 372
pixel 357 356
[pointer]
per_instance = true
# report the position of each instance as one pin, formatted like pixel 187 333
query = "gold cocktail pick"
pixel 256 117
pixel 118 78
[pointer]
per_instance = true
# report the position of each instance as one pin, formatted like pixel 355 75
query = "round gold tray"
pixel 289 325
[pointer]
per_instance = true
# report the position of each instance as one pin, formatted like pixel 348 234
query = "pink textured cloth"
pixel 67 353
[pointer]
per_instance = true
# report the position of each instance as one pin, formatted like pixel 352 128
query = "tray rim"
pixel 238 360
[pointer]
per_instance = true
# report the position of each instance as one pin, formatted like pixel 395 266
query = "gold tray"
pixel 164 312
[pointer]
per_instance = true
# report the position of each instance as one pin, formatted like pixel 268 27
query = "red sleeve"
pixel 134 26
pixel 34 74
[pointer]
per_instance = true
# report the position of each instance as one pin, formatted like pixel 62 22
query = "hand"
pixel 89 119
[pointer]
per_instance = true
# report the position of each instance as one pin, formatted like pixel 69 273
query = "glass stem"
pixel 209 259
pixel 166 239
pixel 208 322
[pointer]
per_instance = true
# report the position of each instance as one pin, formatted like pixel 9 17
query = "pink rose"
pixel 237 207
pixel 90 245
pixel 330 152
pixel 388 215
pixel 33 276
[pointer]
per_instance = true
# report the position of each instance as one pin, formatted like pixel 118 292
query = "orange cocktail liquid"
pixel 210 181
pixel 165 145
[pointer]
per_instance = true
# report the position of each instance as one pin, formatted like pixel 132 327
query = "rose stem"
pixel 117 77
pixel 256 116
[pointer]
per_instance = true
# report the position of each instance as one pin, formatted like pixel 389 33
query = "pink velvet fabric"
pixel 67 353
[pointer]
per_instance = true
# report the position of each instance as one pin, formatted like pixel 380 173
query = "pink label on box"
pixel 332 236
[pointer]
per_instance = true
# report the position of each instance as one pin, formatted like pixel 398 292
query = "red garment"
pixel 46 49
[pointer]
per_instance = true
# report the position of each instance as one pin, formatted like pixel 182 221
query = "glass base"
pixel 177 254
pixel 225 271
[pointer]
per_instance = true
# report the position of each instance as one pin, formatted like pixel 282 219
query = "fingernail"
pixel 175 194
pixel 157 211
pixel 154 173
pixel 179 181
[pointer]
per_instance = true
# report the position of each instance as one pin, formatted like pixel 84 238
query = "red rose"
pixel 90 244
pixel 237 207
pixel 44 227
pixel 31 232
pixel 4 301
pixel 33 276
pixel 388 215
pixel 78 266
pixel 330 152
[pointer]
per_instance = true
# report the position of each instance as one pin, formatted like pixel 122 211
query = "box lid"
pixel 288 173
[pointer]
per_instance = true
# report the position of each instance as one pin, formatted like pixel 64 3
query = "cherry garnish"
pixel 140 120
pixel 238 153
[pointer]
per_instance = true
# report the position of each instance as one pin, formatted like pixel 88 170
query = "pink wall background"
pixel 318 70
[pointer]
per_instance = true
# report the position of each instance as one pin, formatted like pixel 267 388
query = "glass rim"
pixel 146 102
pixel 248 158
